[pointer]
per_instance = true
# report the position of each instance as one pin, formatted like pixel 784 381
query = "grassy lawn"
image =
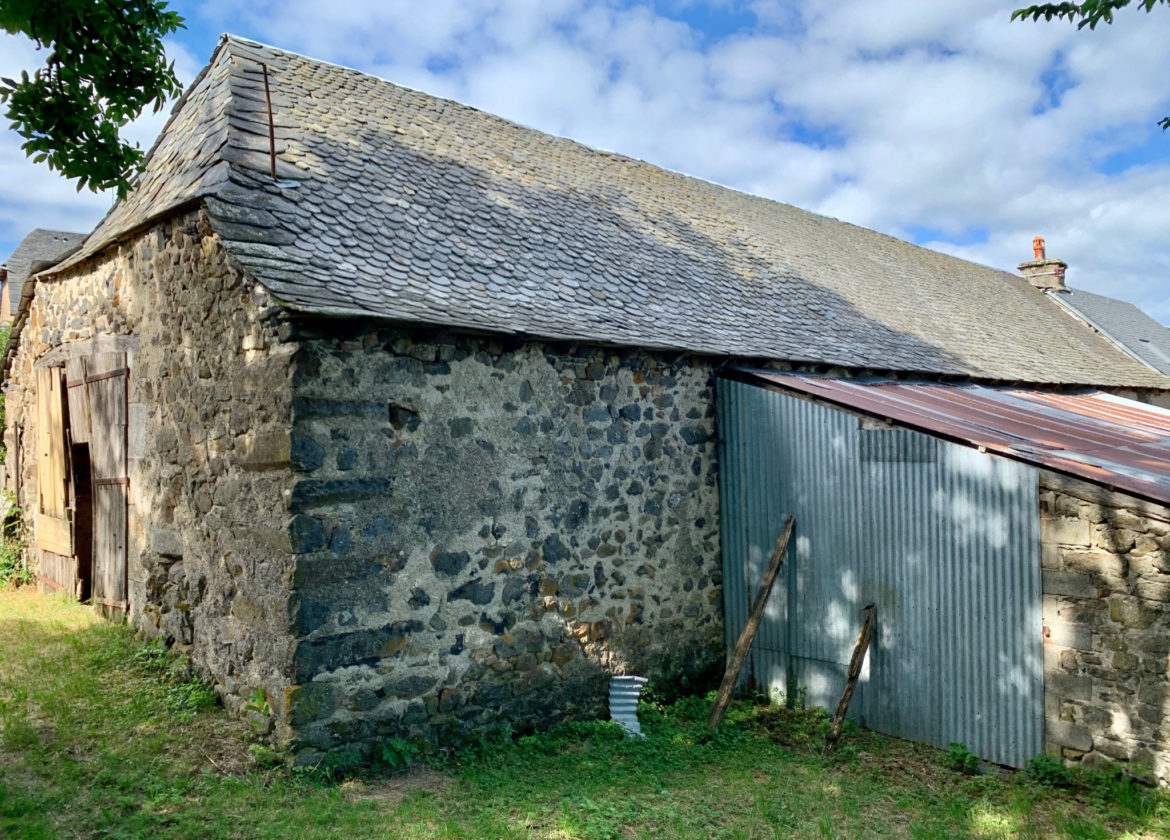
pixel 103 736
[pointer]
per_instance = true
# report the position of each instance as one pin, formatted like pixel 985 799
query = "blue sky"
pixel 938 121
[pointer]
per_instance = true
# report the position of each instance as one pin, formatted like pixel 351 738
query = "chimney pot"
pixel 1045 274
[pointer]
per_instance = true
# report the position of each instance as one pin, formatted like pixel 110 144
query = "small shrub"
pixel 797 699
pixel 13 571
pixel 338 764
pixel 1049 771
pixel 1112 787
pixel 183 693
pixel 266 757
pixel 396 754
pixel 258 703
pixel 962 760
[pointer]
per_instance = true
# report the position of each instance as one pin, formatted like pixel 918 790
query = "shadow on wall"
pixel 487 530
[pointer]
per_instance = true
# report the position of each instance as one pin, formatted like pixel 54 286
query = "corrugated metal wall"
pixel 941 537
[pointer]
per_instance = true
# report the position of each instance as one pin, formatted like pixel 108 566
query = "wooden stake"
pixel 748 634
pixel 850 684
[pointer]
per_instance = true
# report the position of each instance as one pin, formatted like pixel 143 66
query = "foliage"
pixel 183 694
pixel 396 754
pixel 13 571
pixel 1088 13
pixel 258 703
pixel 962 760
pixel 92 745
pixel 1048 770
pixel 1111 789
pixel 105 65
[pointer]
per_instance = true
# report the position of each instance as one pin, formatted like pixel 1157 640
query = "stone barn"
pixel 404 415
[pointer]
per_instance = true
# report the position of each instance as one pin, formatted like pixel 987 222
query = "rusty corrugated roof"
pixel 1109 440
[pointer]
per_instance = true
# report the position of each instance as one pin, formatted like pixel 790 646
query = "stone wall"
pixel 209 555
pixel 486 531
pixel 1106 580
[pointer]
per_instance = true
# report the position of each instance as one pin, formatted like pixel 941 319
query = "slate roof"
pixel 1124 323
pixel 38 248
pixel 394 204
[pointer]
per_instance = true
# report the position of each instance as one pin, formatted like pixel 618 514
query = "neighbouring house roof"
pixel 37 251
pixel 1124 323
pixel 390 203
pixel 1105 439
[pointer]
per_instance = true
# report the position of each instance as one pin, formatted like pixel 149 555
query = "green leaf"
pixel 105 64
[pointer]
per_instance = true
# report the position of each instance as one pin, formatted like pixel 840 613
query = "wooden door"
pixel 106 382
pixel 53 526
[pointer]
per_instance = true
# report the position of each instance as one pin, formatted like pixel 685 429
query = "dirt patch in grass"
pixel 391 790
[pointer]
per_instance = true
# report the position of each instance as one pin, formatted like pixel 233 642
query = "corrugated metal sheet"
pixel 1100 437
pixel 941 537
pixel 624 692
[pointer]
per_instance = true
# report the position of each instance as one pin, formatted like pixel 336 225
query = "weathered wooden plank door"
pixel 106 382
pixel 80 476
pixel 53 525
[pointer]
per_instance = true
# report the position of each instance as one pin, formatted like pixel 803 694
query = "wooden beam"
pixel 748 634
pixel 851 683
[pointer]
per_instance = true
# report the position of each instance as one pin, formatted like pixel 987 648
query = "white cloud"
pixel 902 115
pixel 36 197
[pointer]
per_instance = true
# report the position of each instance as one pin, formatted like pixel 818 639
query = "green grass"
pixel 105 736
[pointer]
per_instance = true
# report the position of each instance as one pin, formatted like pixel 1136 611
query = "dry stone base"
pixel 1106 580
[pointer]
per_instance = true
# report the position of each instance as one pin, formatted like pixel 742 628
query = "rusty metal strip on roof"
pixel 1100 437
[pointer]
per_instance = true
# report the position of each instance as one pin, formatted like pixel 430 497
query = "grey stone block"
pixel 1067 734
pixel 1068 686
pixel 1070 584
pixel 1068 635
pixel 1065 531
pixel 136 431
pixel 166 543
pixel 267 449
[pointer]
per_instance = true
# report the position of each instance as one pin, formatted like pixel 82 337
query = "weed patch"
pixel 13 571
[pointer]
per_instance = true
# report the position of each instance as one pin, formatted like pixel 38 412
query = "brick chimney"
pixel 1045 274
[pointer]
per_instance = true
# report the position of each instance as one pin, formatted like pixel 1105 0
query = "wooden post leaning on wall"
pixel 748 634
pixel 851 683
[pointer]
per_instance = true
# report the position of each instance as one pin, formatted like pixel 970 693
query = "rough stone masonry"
pixel 1106 580
pixel 209 559
pixel 486 530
